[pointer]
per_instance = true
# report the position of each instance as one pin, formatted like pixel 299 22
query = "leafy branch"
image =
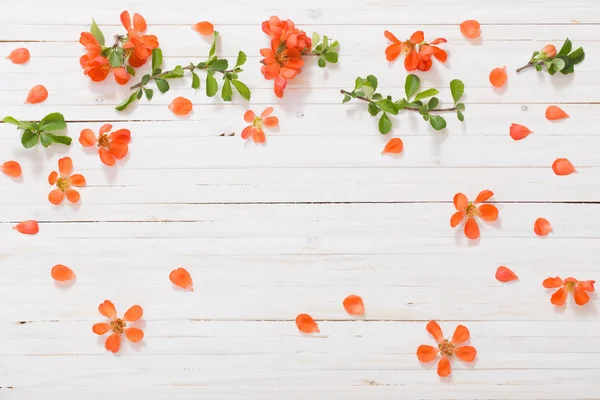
pixel 563 61
pixel 33 132
pixel 365 90
pixel 212 65
pixel 327 53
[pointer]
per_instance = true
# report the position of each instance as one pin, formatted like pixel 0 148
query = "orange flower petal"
pixel 518 132
pixel 460 201
pixel 113 342
pixel 247 132
pixel 554 113
pixel 488 212
pixel 393 51
pixel 466 353
pixel 139 23
pixel 62 273
pixel 118 149
pixel 134 313
pixel 443 368
pixel 182 278
pixel 204 28
pixel 101 328
pixel 434 329
pixel 106 157
pixel 134 334
pixel 483 196
pixel 394 146
pixel 440 54
pixel 306 324
pixel 108 309
pixel 258 135
pixel 56 196
pixel 122 135
pixel 105 128
pixel 11 168
pixel 270 122
pixel 390 36
pixel 53 177
pixel 411 62
pixel 19 56
pixel 181 106
pixel 65 166
pixel 559 297
pixel 498 77
pixel 417 37
pixel 470 29
pixel 471 228
pixel 30 227
pixel 461 334
pixel 587 285
pixel 456 218
pixel 504 274
pixel 266 112
pixel 249 116
pixel 73 195
pixel 37 94
pixel 581 297
pixel 427 353
pixel 551 283
pixel 87 138
pixel 126 20
pixel 542 227
pixel 77 180
pixel 121 75
pixel 354 305
pixel 562 166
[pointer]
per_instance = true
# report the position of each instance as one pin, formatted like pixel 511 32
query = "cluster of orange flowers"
pixel 418 52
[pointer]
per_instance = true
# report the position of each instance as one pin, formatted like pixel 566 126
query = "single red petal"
pixel 139 23
pixel 62 273
pixel 354 305
pixel 411 62
pixel 504 274
pixel 53 177
pixel 258 135
pixel 498 77
pixel 121 75
pixel 519 132
pixel 247 132
pixel 181 106
pixel 266 112
pixel 427 353
pixel 562 166
pixel 306 324
pixel 554 113
pixel 123 135
pixel 19 56
pixel 134 334
pixel 249 116
pixel 72 195
pixel 394 146
pixel 393 51
pixel 30 227
pixel 204 28
pixel 182 278
pixel 390 36
pixel 483 196
pixel 11 168
pixel 87 138
pixel 118 149
pixel 65 166
pixel 440 54
pixel 56 196
pixel 470 29
pixel 551 283
pixel 587 285
pixel 77 180
pixel 270 122
pixel 542 227
pixel 126 20
pixel 106 157
pixel 559 297
pixel 37 94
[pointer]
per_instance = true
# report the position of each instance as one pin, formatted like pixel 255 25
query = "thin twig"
pixel 406 108
pixel 188 68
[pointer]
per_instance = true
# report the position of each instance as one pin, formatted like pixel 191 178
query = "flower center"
pixel 446 348
pixel 471 209
pixel 63 183
pixel 103 141
pixel 569 286
pixel 257 123
pixel 282 57
pixel 118 325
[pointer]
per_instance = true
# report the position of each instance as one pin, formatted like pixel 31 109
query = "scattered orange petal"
pixel 180 106
pixel 562 166
pixel 461 334
pixel 37 94
pixel 498 77
pixel 181 278
pixel 542 227
pixel 11 168
pixel 426 353
pixel 134 334
pixel 101 328
pixel 113 342
pixel 518 132
pixel 394 146
pixel 30 227
pixel 306 324
pixel 470 29
pixel 108 309
pixel 554 113
pixel 62 273
pixel 19 56
pixel 354 305
pixel 134 313
pixel 204 28
pixel 504 274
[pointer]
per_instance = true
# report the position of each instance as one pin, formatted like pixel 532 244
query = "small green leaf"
pixel 346 99
pixel 358 82
pixel 460 106
pixel 139 94
pixel 538 67
pixel 195 81
pixel 145 79
pixel 59 139
pixel 211 84
pixel 426 93
pixel 45 140
pixel 29 139
pixel 577 56
pixel 385 125
pixel 19 124
pixel 412 85
pixel 127 101
pixel 130 70
pixel 325 41
pixel 162 85
pixel 558 64
pixel 242 89
pixel 177 72
pixel 460 115
pixel 331 57
pixel 53 122
pixel 334 45
pixel 378 96
pixel 387 106
pixel 423 109
pixel 433 103
pixel 213 48
pixel 220 65
pixel 149 93
pixel 437 122
pixel 457 88
pixel 97 33
pixel 157 58
pixel 226 91
pixel 373 109
pixel 241 59
pixel 321 62
pixel 115 59
pixel 566 48
pixel 426 117
pixel 372 80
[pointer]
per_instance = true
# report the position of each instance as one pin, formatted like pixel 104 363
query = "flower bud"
pixel 549 50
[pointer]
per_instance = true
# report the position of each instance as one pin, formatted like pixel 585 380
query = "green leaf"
pixel 213 48
pixel 438 123
pixel 20 124
pixel 29 139
pixel 566 48
pixel 220 65
pixel 59 139
pixel 321 62
pixel 387 106
pixel 378 96
pixel 358 82
pixel 460 106
pixel 242 89
pixel 373 109
pixel 334 45
pixel 325 41
pixel 211 84
pixel 226 91
pixel 149 93
pixel 46 140
pixel 558 64
pixel 315 38
pixel 97 33
pixel 241 59
pixel 346 98
pixel 433 103
pixel 426 93
pixel 177 72
pixel 139 94
pixel 162 85
pixel 115 59
pixel 457 88
pixel 538 67
pixel 331 57
pixel 385 125
pixel 577 56
pixel 53 122
pixel 127 101
pixel 569 66
pixel 130 70
pixel 145 79
pixel 372 80
pixel 423 110
pixel 195 81
pixel 157 58
pixel 412 85
pixel 460 115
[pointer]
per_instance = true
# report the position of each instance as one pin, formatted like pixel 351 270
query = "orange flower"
pixel 37 94
pixel 91 45
pixel 19 56
pixel 110 147
pixel 468 209
pixel 446 348
pixel 256 129
pixel 418 53
pixel 579 289
pixel 470 29
pixel 280 65
pixel 141 45
pixel 11 168
pixel 287 33
pixel 118 325
pixel 64 182
pixel 99 67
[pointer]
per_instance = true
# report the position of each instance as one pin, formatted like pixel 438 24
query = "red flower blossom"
pixel 468 209
pixel 118 326
pixel 280 65
pixel 141 45
pixel 446 348
pixel 418 52
pixel 64 181
pixel 110 147
pixel 287 33
pixel 256 129
pixel 579 289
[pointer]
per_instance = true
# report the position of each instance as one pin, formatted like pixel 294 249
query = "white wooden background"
pixel 316 214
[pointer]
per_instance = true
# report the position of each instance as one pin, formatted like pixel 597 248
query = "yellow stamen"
pixel 446 348
pixel 103 141
pixel 63 183
pixel 118 325
pixel 471 209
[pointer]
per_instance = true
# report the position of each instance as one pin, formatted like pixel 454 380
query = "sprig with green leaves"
pixel 212 65
pixel 563 61
pixel 328 52
pixel 40 131
pixel 365 90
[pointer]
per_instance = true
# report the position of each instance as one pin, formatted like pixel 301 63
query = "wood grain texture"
pixel 316 214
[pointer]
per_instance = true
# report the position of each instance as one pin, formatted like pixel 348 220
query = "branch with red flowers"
pixel 364 89
pixel 564 60
pixel 212 65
